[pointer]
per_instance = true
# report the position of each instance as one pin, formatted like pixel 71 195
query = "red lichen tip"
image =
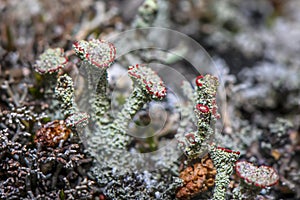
pixel 99 53
pixel 181 145
pixel 80 119
pixel 228 150
pixel 50 61
pixel 202 108
pixel 148 79
pixel 262 176
pixel 190 138
pixel 199 80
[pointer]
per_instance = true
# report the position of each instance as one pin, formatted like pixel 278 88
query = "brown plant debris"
pixel 52 133
pixel 197 178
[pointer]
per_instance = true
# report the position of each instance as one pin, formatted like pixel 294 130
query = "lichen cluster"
pixel 258 40
pixel 195 143
pixel 107 140
pixel 118 165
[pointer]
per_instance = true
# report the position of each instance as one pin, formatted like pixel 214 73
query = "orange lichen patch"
pixel 52 133
pixel 197 178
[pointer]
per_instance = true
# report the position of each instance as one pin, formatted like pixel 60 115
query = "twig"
pixel 10 93
pixel 100 18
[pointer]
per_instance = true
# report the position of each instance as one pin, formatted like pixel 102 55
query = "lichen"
pixel 224 161
pixel 147 13
pixel 195 143
pixel 253 179
pixel 64 91
pixel 51 61
pixel 118 165
pixel 97 56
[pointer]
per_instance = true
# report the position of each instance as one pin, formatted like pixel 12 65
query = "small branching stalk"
pixel 48 65
pixel 224 160
pixel 149 86
pixel 195 143
pixel 97 56
pixel 65 94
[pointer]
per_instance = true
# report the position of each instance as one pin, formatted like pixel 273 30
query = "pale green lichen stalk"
pixel 64 91
pixel 195 143
pixel 97 56
pixel 65 94
pixel 224 161
pixel 148 86
pixel 134 103
pixel 146 14
pixel 100 103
